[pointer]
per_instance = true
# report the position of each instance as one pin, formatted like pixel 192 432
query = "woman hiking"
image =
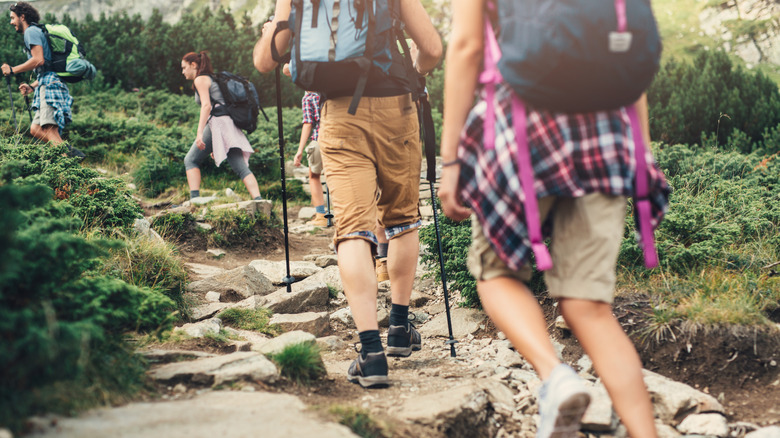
pixel 217 135
pixel 583 172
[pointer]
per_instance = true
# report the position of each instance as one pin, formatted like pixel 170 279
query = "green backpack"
pixel 67 55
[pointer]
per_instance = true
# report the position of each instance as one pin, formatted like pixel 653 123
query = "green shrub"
pixel 455 240
pixel 62 328
pixel 300 363
pixel 236 227
pixel 174 225
pixel 147 263
pixel 712 96
pixel 293 187
pixel 250 319
pixel 98 201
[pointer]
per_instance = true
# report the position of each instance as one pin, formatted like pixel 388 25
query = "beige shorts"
pixel 45 114
pixel 373 160
pixel 587 233
pixel 314 157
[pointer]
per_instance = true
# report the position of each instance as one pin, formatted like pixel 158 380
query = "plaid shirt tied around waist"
pixel 572 155
pixel 311 113
pixel 57 96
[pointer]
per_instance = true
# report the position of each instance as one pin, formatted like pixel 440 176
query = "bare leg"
pixel 356 267
pixel 193 178
pixel 615 360
pixel 402 265
pixel 251 185
pixel 315 184
pixel 516 312
pixel 47 133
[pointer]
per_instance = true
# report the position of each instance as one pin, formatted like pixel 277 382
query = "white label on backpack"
pixel 619 41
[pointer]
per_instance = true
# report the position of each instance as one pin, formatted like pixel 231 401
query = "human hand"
pixel 286 70
pixel 6 69
pixel 448 194
pixel 25 89
pixel 199 142
pixel 298 158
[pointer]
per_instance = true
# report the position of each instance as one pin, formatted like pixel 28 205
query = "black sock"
pixel 381 250
pixel 369 342
pixel 194 193
pixel 399 315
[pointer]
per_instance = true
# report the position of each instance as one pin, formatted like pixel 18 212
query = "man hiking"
pixel 52 100
pixel 375 150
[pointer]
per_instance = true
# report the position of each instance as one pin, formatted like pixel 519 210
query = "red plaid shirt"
pixel 572 155
pixel 311 113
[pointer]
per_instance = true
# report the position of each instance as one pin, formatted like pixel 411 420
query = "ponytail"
pixel 202 60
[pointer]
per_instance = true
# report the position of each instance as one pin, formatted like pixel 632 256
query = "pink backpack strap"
pixel 531 207
pixel 641 200
pixel 490 77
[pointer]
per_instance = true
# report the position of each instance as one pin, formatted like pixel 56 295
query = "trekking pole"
pixel 429 138
pixel 11 96
pixel 328 215
pixel 28 107
pixel 289 279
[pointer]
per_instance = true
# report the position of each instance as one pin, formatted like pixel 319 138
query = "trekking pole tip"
pixel 451 342
pixel 288 281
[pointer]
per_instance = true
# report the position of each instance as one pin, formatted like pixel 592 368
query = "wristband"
pixel 12 69
pixel 450 163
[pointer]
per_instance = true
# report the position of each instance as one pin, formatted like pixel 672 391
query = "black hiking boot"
pixel 75 153
pixel 370 372
pixel 401 341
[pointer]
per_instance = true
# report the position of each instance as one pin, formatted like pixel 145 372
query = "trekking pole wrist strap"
pixel 280 26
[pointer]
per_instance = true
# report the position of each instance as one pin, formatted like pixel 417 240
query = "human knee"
pixel 36 131
pixel 580 310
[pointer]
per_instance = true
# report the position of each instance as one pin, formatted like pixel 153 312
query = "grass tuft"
pixel 361 422
pixel 300 363
pixel 250 319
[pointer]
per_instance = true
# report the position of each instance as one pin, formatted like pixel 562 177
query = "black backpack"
pixel 241 103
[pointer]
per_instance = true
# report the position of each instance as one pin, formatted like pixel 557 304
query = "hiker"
pixel 376 149
pixel 587 218
pixel 217 135
pixel 310 105
pixel 52 100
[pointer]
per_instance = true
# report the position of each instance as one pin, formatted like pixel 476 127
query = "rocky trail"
pixel 486 390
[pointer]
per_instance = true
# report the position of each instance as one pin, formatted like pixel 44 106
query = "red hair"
pixel 202 60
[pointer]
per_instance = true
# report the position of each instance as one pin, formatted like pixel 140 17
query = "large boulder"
pixel 672 400
pixel 305 296
pixel 464 322
pixel 217 370
pixel 316 323
pixel 234 285
pixel 277 271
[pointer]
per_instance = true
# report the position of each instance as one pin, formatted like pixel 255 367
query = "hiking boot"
pixel 381 270
pixel 563 400
pixel 401 341
pixel 75 153
pixel 319 220
pixel 370 372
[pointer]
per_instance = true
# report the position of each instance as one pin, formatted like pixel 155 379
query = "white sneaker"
pixel 563 400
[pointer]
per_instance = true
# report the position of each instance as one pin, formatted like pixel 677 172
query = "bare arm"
pixel 419 26
pixel 643 114
pixel 305 134
pixel 34 62
pixel 202 84
pixel 261 55
pixel 463 65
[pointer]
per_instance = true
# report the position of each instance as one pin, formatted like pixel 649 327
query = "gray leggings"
pixel 235 156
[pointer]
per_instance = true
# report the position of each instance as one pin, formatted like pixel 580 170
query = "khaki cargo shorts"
pixel 587 233
pixel 314 157
pixel 45 114
pixel 373 160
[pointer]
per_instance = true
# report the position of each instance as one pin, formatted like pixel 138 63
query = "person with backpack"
pixel 217 135
pixel 52 100
pixel 369 143
pixel 582 167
